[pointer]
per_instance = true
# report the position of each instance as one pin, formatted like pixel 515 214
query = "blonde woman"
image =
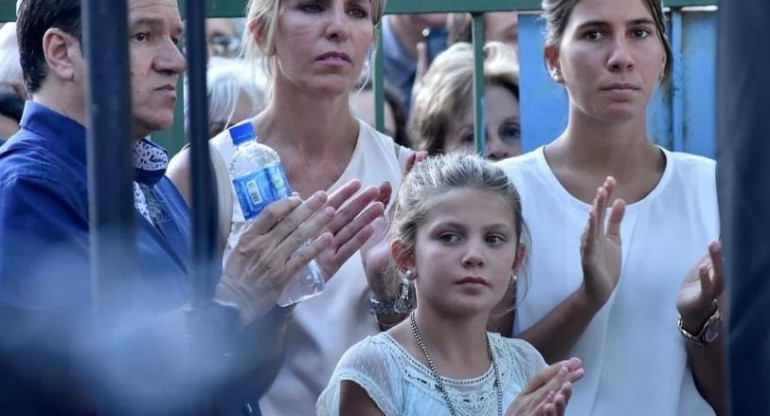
pixel 442 115
pixel 314 52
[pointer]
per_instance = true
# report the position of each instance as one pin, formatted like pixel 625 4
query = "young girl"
pixel 457 231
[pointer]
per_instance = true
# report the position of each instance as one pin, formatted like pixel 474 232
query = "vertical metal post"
pixel 479 110
pixel 110 180
pixel 379 83
pixel 677 82
pixel 110 170
pixel 743 57
pixel 204 210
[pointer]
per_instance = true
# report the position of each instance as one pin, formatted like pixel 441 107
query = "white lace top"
pixel 402 386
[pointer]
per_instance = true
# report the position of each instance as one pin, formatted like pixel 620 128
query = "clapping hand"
pixel 701 287
pixel 600 246
pixel 352 225
pixel 549 391
pixel 375 254
pixel 267 254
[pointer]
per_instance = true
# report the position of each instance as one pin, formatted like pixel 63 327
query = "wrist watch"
pixel 403 304
pixel 708 332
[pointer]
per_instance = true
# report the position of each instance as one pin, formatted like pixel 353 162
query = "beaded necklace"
pixel 440 383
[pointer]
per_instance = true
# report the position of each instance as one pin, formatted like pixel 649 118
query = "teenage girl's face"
pixel 321 45
pixel 503 126
pixel 611 59
pixel 465 252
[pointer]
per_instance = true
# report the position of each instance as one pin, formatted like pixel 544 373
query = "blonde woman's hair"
pixel 265 13
pixel 447 90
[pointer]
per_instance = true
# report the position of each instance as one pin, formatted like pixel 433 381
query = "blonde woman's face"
pixel 321 45
pixel 503 126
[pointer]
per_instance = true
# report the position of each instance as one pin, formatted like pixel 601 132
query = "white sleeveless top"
pixel 634 357
pixel 402 386
pixel 324 327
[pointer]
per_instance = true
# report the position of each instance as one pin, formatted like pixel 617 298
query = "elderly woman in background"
pixel 233 94
pixel 442 116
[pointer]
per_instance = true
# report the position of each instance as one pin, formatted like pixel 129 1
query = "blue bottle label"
pixel 258 189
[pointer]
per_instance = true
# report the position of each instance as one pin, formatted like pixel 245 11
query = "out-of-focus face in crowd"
pixel 221 38
pixel 503 126
pixel 442 114
pixel 502 27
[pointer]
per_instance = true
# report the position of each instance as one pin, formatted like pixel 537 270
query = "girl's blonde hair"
pixel 440 174
pixel 265 14
pixel 447 90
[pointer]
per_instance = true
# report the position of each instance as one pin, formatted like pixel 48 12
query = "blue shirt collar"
pixel 45 122
pixel 150 160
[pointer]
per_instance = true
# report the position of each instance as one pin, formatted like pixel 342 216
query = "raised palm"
pixel 702 285
pixel 375 254
pixel 600 247
pixel 351 225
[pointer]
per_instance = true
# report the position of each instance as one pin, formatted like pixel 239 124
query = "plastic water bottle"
pixel 259 179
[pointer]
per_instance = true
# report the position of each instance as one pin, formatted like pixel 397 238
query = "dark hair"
pixel 557 14
pixel 35 18
pixel 11 105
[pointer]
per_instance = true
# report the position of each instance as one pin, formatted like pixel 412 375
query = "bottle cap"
pixel 242 133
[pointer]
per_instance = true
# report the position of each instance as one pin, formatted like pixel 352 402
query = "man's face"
pixel 155 29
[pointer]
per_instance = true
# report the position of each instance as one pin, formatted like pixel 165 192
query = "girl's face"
pixel 321 45
pixel 610 59
pixel 503 126
pixel 465 252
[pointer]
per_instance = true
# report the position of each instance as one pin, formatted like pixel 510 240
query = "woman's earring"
pixel 556 75
pixel 513 279
pixel 409 275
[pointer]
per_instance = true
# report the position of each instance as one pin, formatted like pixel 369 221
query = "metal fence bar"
pixel 204 211
pixel 110 146
pixel 112 232
pixel 236 8
pixel 479 109
pixel 677 82
pixel 379 83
